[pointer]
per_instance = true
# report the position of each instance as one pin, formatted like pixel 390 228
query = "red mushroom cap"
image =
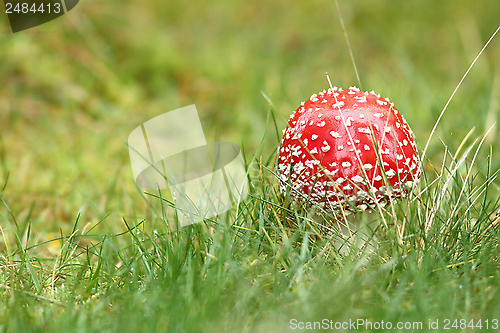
pixel 328 154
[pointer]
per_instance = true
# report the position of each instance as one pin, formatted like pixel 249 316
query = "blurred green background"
pixel 72 90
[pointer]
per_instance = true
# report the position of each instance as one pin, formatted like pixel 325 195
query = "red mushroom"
pixel 350 149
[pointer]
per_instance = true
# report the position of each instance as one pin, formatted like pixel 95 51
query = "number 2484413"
pixel 34 8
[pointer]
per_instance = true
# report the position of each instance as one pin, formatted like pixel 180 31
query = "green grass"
pixel 84 250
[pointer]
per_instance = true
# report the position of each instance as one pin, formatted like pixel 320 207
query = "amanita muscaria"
pixel 328 154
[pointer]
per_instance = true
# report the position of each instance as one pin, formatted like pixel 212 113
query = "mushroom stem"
pixel 349 233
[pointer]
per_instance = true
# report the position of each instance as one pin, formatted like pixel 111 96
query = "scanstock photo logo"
pixel 27 14
pixel 170 151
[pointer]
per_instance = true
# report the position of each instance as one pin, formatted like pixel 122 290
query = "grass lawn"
pixel 83 249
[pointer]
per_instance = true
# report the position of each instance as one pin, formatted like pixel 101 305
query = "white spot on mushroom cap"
pixel 338 104
pixel 346 164
pixel 340 147
pixel 362 194
pixel 361 99
pixel 366 147
pixel 321 124
pixel 330 173
pixel 297 168
pixel 335 134
pixel 326 147
pixel 314 137
pixel 310 163
pixel 367 166
pixel 390 173
pixel 357 179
